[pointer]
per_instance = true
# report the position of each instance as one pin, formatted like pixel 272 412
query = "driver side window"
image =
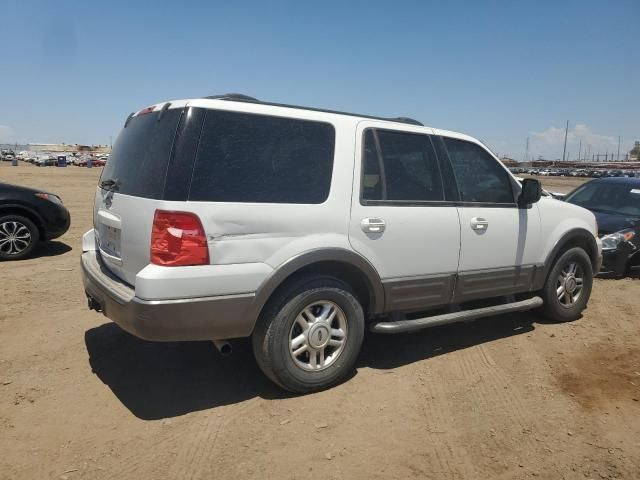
pixel 480 178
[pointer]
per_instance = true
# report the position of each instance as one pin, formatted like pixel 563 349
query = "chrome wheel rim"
pixel 15 237
pixel 570 284
pixel 318 336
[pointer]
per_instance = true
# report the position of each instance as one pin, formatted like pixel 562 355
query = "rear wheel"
pixel 18 237
pixel 568 286
pixel 309 335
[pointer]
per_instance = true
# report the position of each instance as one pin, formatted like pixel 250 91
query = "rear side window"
pixel 141 153
pixel 400 166
pixel 480 178
pixel 257 158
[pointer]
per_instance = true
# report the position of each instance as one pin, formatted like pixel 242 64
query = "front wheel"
pixel 568 286
pixel 309 335
pixel 18 237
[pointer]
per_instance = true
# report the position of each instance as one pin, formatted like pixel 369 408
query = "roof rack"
pixel 236 97
pixel 239 97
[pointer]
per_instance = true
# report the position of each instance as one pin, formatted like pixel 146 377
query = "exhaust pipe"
pixel 93 304
pixel 223 346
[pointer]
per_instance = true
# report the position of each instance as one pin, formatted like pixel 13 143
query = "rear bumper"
pixel 205 318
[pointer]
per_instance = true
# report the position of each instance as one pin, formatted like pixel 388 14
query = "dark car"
pixel 615 201
pixel 26 217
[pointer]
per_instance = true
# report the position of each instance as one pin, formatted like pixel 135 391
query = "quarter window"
pixel 400 166
pixel 257 158
pixel 480 178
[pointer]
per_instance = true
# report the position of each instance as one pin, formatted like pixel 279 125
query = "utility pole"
pixel 618 156
pixel 564 150
pixel 526 153
pixel 580 150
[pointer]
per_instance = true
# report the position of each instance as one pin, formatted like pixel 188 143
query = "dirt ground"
pixel 503 398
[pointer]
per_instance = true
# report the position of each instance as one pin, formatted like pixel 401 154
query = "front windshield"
pixel 617 199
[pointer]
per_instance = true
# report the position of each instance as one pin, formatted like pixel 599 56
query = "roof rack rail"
pixel 411 121
pixel 236 97
pixel 239 97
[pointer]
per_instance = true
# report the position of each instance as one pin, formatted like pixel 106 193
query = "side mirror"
pixel 531 192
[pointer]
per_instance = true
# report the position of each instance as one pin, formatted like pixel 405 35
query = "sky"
pixel 502 71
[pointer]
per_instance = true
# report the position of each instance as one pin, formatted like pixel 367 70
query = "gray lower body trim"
pixel 420 293
pixel 474 285
pixel 209 318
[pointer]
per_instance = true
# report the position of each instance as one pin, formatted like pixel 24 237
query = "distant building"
pixel 68 148
pixel 509 162
pixel 634 153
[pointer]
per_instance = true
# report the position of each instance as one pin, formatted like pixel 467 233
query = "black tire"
pixel 16 224
pixel 278 324
pixel 565 310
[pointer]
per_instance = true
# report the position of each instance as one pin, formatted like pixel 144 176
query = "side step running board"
pixel 402 326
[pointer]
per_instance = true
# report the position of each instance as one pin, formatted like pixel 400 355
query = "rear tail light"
pixel 178 239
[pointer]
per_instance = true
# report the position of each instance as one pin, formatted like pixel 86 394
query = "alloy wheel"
pixel 569 284
pixel 318 335
pixel 15 237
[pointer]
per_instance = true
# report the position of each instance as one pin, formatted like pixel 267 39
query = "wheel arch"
pixel 338 262
pixel 577 237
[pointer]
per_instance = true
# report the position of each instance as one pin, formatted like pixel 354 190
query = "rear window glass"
pixel 140 155
pixel 257 158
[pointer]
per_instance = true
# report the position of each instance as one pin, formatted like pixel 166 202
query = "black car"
pixel 27 216
pixel 615 201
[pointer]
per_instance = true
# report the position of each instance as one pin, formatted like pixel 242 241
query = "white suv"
pixel 228 217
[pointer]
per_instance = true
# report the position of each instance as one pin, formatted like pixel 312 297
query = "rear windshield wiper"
pixel 110 184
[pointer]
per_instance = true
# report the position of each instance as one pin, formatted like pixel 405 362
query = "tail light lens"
pixel 178 239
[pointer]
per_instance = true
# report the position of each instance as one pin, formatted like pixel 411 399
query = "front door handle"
pixel 479 224
pixel 373 225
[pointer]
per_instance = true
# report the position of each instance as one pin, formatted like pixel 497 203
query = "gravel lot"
pixel 505 397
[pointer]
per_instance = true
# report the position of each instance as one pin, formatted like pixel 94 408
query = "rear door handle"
pixel 479 223
pixel 373 225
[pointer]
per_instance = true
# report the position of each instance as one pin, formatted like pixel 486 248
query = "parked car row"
pixel 47 159
pixel 575 172
pixel 7 155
